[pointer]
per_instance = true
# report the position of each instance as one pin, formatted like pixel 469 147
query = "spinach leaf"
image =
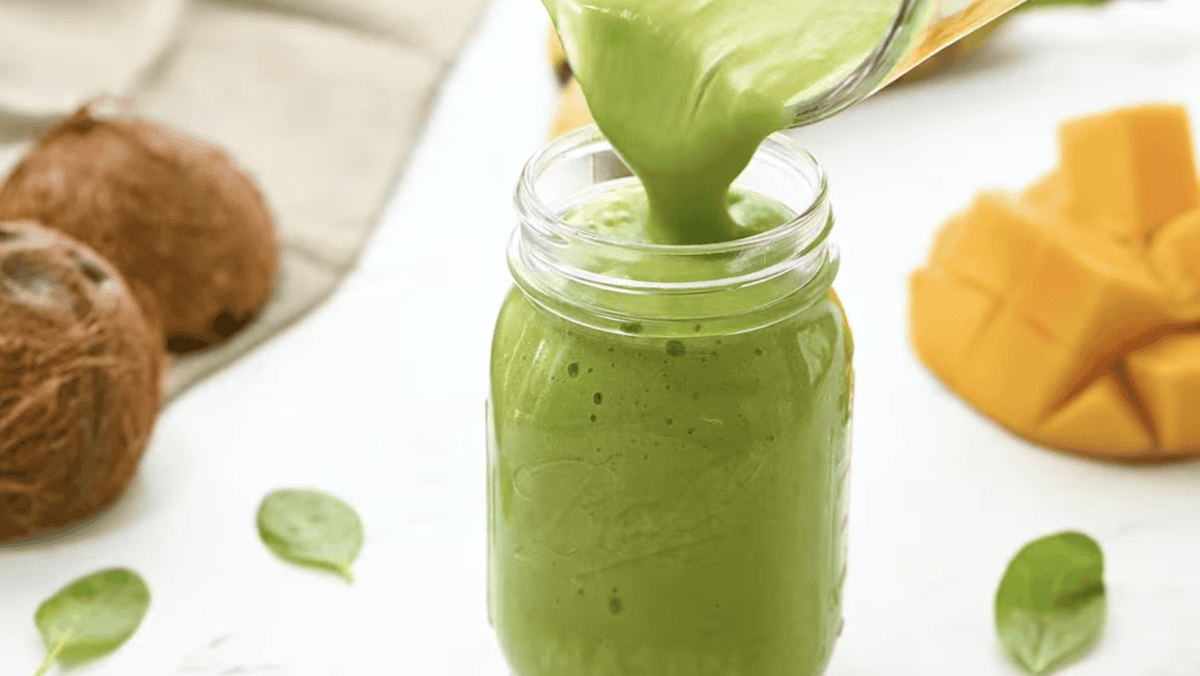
pixel 311 528
pixel 1050 606
pixel 91 616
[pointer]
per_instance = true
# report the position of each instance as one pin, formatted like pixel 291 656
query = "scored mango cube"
pixel 1175 255
pixel 1130 170
pixel 948 315
pixel 1166 376
pixel 1100 419
pixel 1079 294
pixel 946 239
pixel 1048 192
pixel 995 244
pixel 1013 370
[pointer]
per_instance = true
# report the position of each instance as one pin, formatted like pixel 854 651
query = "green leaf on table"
pixel 1050 605
pixel 311 528
pixel 91 616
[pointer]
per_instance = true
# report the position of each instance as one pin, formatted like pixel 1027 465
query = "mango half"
pixel 1070 313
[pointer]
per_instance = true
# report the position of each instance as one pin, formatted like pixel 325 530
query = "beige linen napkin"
pixel 320 99
pixel 52 51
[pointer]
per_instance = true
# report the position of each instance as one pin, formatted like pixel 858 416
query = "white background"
pixel 378 397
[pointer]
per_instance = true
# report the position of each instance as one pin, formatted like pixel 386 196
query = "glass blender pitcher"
pixel 921 29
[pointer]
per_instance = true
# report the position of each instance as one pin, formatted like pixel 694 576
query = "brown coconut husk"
pixel 79 381
pixel 177 217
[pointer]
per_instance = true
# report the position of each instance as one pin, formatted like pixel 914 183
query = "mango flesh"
pixel 1166 377
pixel 1131 170
pixel 1102 420
pixel 1175 255
pixel 1062 312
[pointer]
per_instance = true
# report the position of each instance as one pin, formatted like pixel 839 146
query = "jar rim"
pixel 621 286
pixel 535 212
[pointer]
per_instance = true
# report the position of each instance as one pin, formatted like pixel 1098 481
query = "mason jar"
pixel 669 435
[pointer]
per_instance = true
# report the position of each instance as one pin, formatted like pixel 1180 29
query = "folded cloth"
pixel 55 53
pixel 320 100
pixel 436 27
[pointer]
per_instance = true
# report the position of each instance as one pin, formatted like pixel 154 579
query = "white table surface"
pixel 378 397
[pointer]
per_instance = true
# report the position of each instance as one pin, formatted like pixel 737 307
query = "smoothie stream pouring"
pixel 686 89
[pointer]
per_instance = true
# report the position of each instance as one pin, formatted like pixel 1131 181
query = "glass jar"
pixel 668 435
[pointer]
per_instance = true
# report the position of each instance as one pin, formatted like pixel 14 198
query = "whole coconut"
pixel 79 381
pixel 175 215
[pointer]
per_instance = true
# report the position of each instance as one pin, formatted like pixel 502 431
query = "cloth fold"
pixel 321 100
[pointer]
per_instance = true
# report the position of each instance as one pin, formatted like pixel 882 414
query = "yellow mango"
pixel 1131 170
pixel 996 243
pixel 1175 255
pixel 1089 296
pixel 1048 192
pixel 1042 309
pixel 948 315
pixel 1086 307
pixel 1099 420
pixel 1166 376
pixel 1062 304
pixel 947 237
pixel 1013 371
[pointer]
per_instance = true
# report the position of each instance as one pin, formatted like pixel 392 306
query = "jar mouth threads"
pixel 588 144
pixel 615 284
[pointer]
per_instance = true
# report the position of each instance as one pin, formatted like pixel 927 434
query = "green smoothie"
pixel 666 497
pixel 669 505
pixel 686 90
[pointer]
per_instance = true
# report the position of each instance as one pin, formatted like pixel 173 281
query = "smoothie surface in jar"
pixel 686 90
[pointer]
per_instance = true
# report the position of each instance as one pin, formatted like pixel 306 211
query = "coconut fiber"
pixel 79 381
